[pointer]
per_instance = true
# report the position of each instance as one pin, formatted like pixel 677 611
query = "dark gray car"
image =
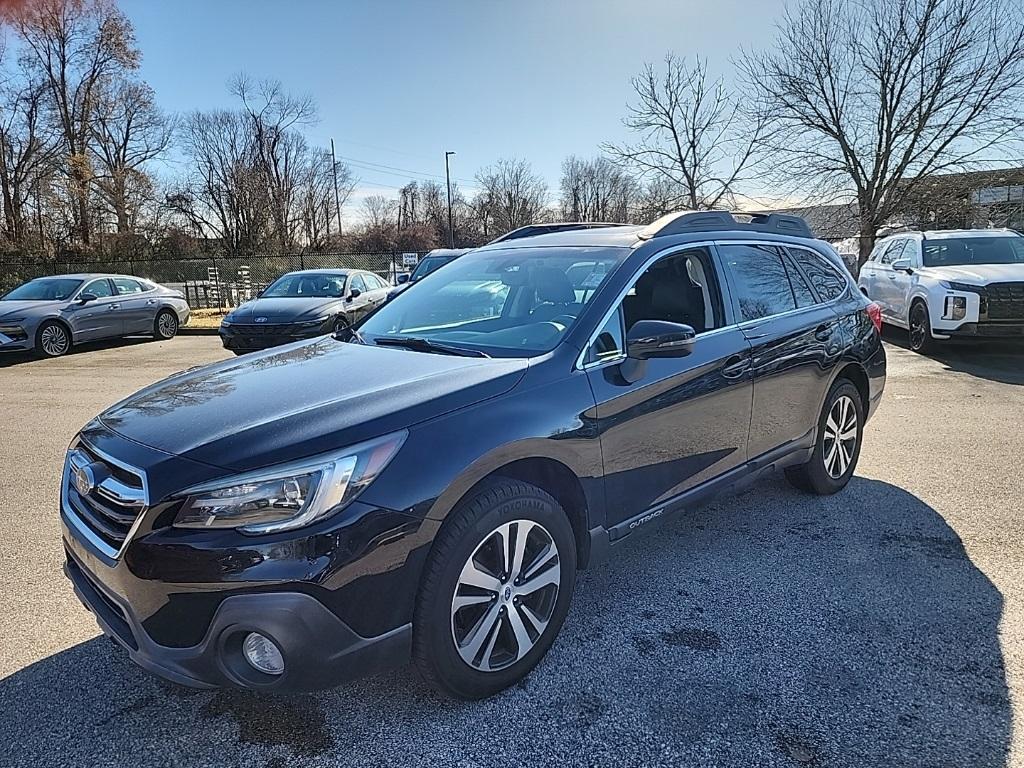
pixel 50 314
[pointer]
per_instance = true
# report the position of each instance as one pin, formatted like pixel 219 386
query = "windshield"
pixel 513 302
pixel 45 289
pixel 428 265
pixel 306 285
pixel 956 251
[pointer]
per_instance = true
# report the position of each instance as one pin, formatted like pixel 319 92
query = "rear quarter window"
pixel 826 280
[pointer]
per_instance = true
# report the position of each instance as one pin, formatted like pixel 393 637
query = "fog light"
pixel 262 654
pixel 956 307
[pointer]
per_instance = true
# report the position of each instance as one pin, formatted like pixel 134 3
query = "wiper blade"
pixel 425 345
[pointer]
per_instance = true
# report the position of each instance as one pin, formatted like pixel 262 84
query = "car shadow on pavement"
pixel 770 629
pixel 8 359
pixel 993 360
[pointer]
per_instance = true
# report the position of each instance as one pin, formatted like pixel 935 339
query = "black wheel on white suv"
pixel 920 333
pixel 837 449
pixel 496 590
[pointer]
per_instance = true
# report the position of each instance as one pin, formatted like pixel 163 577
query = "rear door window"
pixel 126 286
pixel 760 280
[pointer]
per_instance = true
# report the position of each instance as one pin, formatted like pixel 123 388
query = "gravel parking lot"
pixel 882 626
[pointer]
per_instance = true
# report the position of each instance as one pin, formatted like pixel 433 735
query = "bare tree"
pixel 694 138
pixel 315 196
pixel 597 190
pixel 873 96
pixel 273 115
pixel 517 195
pixel 129 132
pixel 75 46
pixel 28 149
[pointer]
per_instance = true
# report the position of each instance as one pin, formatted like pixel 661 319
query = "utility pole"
pixel 448 178
pixel 337 197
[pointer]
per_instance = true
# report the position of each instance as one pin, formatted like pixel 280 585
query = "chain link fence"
pixel 207 281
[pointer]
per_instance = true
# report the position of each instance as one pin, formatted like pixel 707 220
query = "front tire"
pixel 495 590
pixel 837 449
pixel 920 333
pixel 53 339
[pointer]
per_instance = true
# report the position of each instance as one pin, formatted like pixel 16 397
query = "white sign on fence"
pixel 410 259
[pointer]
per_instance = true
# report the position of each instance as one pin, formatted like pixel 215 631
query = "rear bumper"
pixel 319 649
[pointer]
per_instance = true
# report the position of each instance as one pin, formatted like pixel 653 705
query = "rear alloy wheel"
pixel 166 326
pixel 920 334
pixel 495 590
pixel 53 339
pixel 840 428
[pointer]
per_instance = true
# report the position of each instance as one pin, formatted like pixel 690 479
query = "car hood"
pixel 978 274
pixel 30 308
pixel 303 399
pixel 286 309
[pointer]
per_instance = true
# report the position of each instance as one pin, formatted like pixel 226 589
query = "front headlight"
pixel 288 496
pixel 314 323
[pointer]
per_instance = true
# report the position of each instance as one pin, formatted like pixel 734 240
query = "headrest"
pixel 552 285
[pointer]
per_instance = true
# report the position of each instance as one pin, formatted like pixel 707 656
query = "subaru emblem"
pixel 84 480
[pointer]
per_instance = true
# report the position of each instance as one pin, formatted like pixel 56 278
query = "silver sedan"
pixel 50 314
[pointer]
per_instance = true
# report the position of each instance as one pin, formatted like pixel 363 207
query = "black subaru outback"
pixel 427 485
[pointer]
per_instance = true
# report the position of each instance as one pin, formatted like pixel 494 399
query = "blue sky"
pixel 398 82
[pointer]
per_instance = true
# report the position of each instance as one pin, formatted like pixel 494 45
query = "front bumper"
pixel 14 337
pixel 253 338
pixel 989 330
pixel 319 649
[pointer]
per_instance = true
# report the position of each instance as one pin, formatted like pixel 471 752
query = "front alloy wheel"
pixel 495 590
pixel 920 329
pixel 54 339
pixel 505 595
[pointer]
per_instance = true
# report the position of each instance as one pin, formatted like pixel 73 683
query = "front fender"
pixel 442 459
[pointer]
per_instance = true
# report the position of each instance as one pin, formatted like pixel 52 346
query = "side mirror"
pixel 903 265
pixel 403 278
pixel 354 294
pixel 654 338
pixel 85 298
pixel 658 338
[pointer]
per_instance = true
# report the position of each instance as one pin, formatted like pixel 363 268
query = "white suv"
pixel 949 284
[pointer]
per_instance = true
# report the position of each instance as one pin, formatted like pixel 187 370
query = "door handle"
pixel 151 301
pixel 736 366
pixel 113 306
pixel 892 275
pixel 823 332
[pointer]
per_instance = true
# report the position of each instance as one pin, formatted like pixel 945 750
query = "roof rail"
pixel 542 229
pixel 682 222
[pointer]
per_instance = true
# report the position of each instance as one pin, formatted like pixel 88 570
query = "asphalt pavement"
pixel 883 626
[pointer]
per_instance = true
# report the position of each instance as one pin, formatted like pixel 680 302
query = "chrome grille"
pixel 1005 301
pixel 103 499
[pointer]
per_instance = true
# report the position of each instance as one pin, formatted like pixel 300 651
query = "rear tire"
pixel 53 339
pixel 165 327
pixel 920 333
pixel 837 448
pixel 492 600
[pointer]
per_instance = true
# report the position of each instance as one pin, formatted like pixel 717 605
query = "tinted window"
pixel 126 285
pixel 825 278
pixel 428 265
pixel 973 250
pixel 509 302
pixel 761 283
pixel 609 343
pixel 679 288
pixel 893 252
pixel 45 289
pixel 99 288
pixel 305 284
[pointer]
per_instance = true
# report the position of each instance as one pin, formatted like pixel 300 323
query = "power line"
pixel 397 171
